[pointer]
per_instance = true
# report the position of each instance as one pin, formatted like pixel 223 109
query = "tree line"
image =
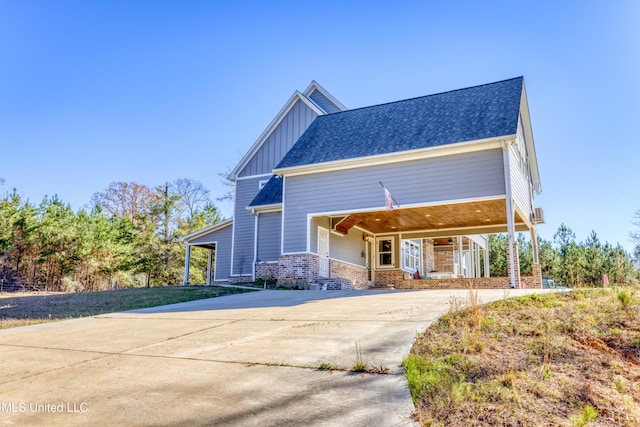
pixel 566 261
pixel 129 237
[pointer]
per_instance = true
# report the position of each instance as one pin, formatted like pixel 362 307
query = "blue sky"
pixel 93 92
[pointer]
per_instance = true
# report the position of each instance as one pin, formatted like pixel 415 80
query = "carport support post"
pixel 486 263
pixel 209 267
pixel 187 262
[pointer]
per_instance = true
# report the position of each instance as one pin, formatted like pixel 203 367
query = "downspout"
pixel 511 229
pixel 255 246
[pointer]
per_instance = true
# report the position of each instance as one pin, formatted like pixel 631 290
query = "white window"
pixel 385 252
pixel 411 255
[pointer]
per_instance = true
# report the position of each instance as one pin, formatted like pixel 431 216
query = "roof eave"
pixel 531 147
pixel 274 207
pixel 380 159
pixel 209 229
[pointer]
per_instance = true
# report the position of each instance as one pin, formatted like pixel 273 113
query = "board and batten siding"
pixel 447 178
pixel 244 225
pixel 280 141
pixel 222 261
pixel 323 102
pixel 269 233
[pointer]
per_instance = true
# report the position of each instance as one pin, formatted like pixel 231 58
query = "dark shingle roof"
pixel 461 115
pixel 271 193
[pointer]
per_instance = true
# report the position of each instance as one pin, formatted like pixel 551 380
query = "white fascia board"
pixel 267 132
pixel 531 148
pixel 206 230
pixel 314 85
pixel 262 175
pixel 401 156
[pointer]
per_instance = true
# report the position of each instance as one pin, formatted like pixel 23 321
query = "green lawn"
pixel 18 309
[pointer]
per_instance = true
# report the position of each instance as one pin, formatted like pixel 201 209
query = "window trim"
pixel 418 259
pixel 392 239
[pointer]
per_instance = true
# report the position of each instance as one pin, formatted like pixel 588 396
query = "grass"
pixel 568 359
pixel 19 309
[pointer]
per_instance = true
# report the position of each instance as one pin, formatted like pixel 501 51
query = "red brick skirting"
pixel 478 283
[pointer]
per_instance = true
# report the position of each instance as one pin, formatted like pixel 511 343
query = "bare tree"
pixel 635 235
pixel 228 195
pixel 126 199
pixel 192 196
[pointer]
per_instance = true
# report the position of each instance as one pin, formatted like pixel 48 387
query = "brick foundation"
pixel 240 279
pixel 356 275
pixel 385 278
pixel 477 283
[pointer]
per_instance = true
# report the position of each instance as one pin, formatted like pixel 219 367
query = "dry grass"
pixel 25 308
pixel 565 359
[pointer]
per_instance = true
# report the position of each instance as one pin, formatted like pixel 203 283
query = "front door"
pixel 323 252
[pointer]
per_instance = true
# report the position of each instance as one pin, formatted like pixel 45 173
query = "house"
pixel 383 195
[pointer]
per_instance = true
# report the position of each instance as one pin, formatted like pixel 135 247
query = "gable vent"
pixel 538 216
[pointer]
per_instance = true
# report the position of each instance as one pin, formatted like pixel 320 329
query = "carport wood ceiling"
pixel 484 214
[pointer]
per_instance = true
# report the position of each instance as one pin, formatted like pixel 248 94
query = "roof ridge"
pixel 424 96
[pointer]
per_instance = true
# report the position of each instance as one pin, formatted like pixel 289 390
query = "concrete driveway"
pixel 248 359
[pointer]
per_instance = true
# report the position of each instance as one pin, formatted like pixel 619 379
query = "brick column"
pixel 536 273
pixel 516 261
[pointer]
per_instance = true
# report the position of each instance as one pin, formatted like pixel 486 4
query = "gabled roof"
pixel 463 115
pixel 330 105
pixel 323 98
pixel 271 193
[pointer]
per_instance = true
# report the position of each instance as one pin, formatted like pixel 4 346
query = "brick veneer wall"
pixel 267 270
pixel 356 274
pixel 299 267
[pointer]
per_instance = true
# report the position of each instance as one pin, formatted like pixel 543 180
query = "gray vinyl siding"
pixel 324 102
pixel 244 226
pixel 447 178
pixel 269 227
pixel 280 141
pixel 222 261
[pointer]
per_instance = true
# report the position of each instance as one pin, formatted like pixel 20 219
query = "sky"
pixel 94 92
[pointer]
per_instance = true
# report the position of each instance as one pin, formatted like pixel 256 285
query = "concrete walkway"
pixel 241 360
